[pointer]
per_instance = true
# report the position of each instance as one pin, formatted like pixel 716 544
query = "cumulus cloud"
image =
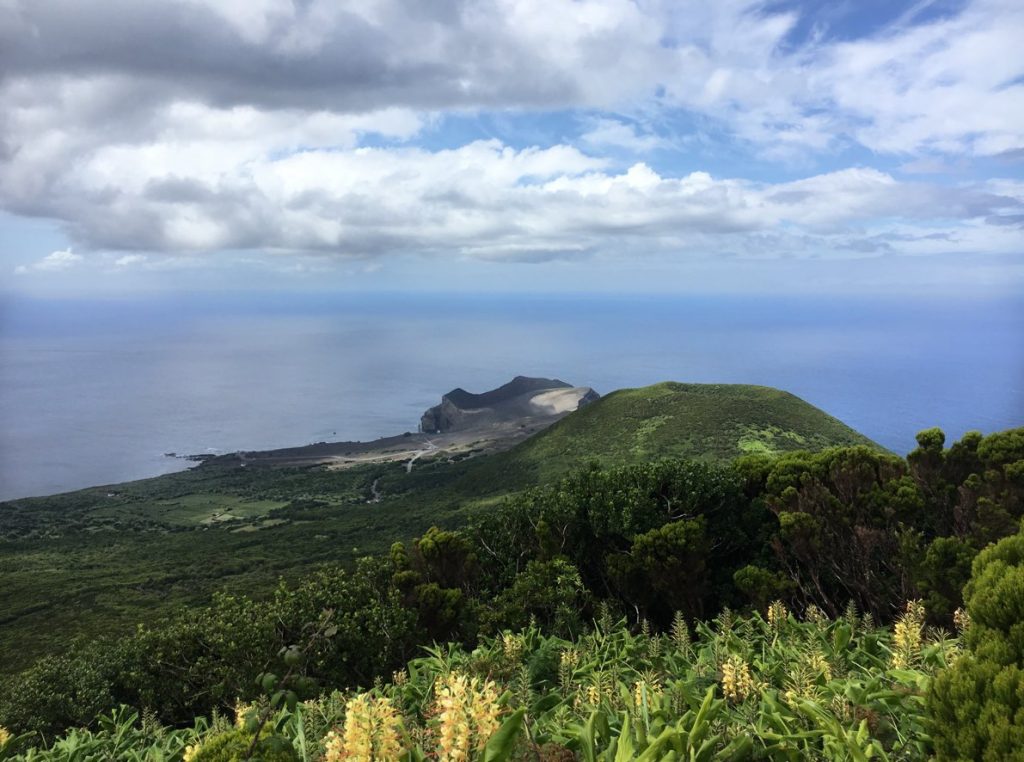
pixel 951 82
pixel 351 57
pixel 194 126
pixel 483 200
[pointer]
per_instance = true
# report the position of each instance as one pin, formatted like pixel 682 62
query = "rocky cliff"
pixel 520 398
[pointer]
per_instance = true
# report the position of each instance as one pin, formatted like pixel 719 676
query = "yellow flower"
pixel 511 646
pixel 357 735
pixel 598 689
pixel 568 660
pixel 387 744
pixel 907 636
pixel 372 732
pixel 820 664
pixel 737 683
pixel 646 690
pixel 334 747
pixel 242 712
pixel 453 731
pixel 190 752
pixel 842 708
pixel 5 736
pixel 484 711
pixel 468 714
pixel 801 683
pixel 777 614
pixel 815 615
pixel 962 620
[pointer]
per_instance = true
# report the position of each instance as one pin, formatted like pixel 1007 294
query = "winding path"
pixel 431 447
pixel 375 493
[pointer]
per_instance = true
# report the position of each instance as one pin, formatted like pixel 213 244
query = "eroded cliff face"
pixel 521 398
pixel 443 417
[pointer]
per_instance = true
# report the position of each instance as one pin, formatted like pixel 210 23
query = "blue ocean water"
pixel 96 392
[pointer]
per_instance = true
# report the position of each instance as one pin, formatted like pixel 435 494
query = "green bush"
pixel 977 706
pixel 60 692
pixel 941 575
pixel 549 592
pixel 235 746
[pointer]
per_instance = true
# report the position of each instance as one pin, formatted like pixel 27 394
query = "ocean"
pixel 96 392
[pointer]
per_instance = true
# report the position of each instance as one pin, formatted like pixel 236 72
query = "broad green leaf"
pixel 501 745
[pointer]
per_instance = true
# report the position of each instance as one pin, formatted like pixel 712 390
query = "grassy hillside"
pixel 710 422
pixel 664 542
pixel 97 561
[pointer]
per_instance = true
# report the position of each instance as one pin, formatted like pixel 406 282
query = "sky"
pixel 825 146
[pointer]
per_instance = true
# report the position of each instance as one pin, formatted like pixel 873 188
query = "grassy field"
pixel 710 422
pixel 99 560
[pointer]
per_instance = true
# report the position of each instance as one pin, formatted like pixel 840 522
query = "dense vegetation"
pixel 770 687
pixel 662 544
pixel 978 705
pixel 96 562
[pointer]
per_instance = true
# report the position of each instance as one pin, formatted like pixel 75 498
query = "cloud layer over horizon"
pixel 510 130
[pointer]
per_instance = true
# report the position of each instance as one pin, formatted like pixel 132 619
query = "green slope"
pixel 99 560
pixel 711 422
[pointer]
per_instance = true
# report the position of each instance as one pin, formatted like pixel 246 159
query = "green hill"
pixel 710 422
pixel 96 561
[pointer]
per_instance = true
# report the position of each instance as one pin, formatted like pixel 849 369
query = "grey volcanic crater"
pixel 519 399
pixel 462 425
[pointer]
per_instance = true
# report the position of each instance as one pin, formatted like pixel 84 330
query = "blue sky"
pixel 507 145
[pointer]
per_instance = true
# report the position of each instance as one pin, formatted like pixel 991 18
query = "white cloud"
pixel 56 261
pixel 612 133
pixel 217 124
pixel 486 200
pixel 951 85
pixel 129 260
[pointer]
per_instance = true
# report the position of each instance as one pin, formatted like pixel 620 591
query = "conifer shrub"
pixel 977 705
pixel 548 592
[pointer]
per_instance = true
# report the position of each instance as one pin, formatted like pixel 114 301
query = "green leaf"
pixel 588 739
pixel 625 751
pixel 841 638
pixel 501 745
pixel 701 722
pixel 739 748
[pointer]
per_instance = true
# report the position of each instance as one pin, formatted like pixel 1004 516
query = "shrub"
pixel 977 706
pixel 550 592
pixel 235 745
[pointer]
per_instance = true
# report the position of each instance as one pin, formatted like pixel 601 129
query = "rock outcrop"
pixel 519 399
